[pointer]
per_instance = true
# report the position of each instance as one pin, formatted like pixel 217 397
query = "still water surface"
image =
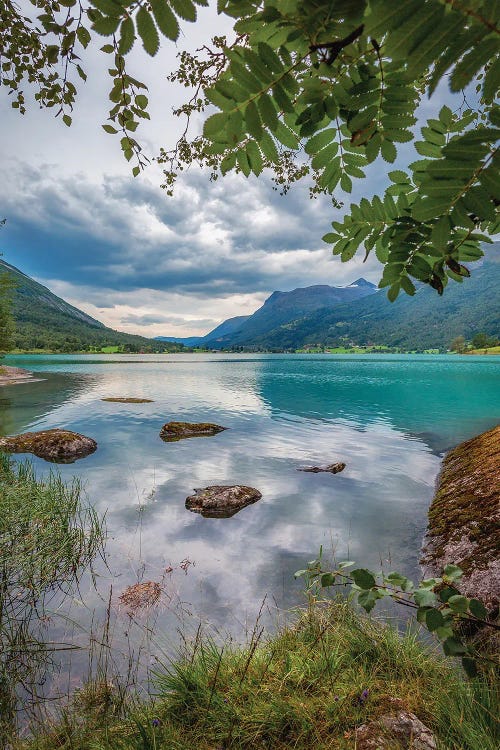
pixel 388 417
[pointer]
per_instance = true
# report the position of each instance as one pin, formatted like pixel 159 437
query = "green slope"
pixel 421 322
pixel 45 321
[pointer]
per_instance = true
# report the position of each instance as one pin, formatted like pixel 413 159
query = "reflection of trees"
pixel 22 404
pixel 405 393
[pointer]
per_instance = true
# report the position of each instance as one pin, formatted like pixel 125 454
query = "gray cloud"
pixel 152 319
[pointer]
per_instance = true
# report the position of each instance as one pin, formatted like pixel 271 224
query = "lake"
pixel 390 418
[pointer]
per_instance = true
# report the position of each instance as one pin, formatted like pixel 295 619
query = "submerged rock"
pixel 400 731
pixel 57 446
pixel 464 518
pixel 220 501
pixel 331 468
pixel 172 431
pixel 15 375
pixel 128 400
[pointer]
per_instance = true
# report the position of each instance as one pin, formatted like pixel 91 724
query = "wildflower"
pixel 156 722
pixel 363 697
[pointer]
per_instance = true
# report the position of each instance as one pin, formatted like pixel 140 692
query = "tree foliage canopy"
pixel 309 87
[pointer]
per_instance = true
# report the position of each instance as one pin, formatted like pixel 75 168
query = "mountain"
pixel 424 321
pixel 280 309
pixel 228 327
pixel 45 321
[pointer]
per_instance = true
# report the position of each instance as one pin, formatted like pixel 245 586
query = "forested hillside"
pixel 420 322
pixel 45 321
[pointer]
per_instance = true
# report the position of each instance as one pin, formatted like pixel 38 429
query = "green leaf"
pixel 83 36
pixel 141 101
pixel 268 112
pixel 214 124
pixel 286 137
pixel 453 572
pixel 324 157
pixel 300 573
pixel 243 163
pixel 269 57
pixel 446 592
pixel 320 140
pixel 165 19
pixel 407 286
pixel 433 619
pixel 327 579
pixel 458 603
pixel 252 121
pixel 454 647
pixel 135 171
pixel 106 25
pixel 363 578
pixel 254 157
pixel 268 148
pixel 470 666
pixel 127 36
pixel 228 163
pixel 67 120
pixel 441 233
pixel 147 31
pixel 108 7
pixel 110 129
pixel 345 183
pixel 393 291
pixel 388 151
pixel 367 599
pixel 424 598
pixel 398 176
pixel 478 609
pixel 185 9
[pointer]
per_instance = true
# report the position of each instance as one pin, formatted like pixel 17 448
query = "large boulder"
pixel 464 518
pixel 219 501
pixel 172 431
pixel 401 731
pixel 331 468
pixel 57 446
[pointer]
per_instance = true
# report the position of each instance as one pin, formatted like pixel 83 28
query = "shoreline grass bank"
pixel 310 685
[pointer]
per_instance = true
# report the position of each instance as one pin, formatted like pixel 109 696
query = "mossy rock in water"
pixel 219 501
pixel 172 431
pixel 464 518
pixel 57 446
pixel 117 400
pixel 330 469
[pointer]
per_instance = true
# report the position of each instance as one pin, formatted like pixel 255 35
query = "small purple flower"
pixel 156 722
pixel 336 698
pixel 363 697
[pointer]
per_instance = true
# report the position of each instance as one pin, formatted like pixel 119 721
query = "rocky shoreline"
pixel 464 518
pixel 15 376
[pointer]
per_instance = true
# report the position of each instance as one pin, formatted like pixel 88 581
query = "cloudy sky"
pixel 120 249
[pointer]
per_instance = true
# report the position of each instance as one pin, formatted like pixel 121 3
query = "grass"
pixel 487 350
pixel 47 538
pixel 308 686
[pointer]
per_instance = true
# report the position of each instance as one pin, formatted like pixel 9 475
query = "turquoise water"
pixel 388 417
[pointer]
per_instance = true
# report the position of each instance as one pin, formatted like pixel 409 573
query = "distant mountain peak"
pixel 363 283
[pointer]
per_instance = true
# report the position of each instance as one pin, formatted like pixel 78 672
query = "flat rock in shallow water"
pixel 57 446
pixel 331 468
pixel 172 431
pixel 128 400
pixel 220 501
pixel 400 731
